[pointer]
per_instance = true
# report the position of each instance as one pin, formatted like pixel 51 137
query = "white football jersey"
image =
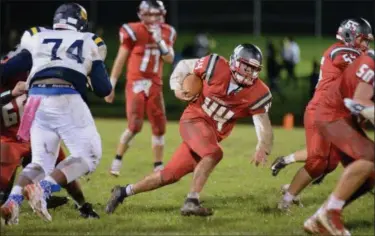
pixel 62 48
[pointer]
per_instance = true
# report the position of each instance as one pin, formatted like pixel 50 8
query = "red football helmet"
pixel 152 12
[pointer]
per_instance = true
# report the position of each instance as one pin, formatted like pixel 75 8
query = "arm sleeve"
pixel 99 77
pixel 183 68
pixel 21 62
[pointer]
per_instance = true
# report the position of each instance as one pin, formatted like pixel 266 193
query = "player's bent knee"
pixel 316 168
pixel 33 172
pixel 217 154
pixel 135 125
pixel 75 167
pixel 169 176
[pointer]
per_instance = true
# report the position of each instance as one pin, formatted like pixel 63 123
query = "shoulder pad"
pixel 97 40
pixel 339 50
pixel 34 30
pixel 130 29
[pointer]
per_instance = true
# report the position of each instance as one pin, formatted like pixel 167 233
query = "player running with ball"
pixel 231 90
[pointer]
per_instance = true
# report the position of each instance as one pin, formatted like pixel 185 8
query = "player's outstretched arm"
pixel 264 133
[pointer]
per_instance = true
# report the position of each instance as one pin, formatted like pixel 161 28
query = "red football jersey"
pixel 222 102
pixel 144 61
pixel 11 113
pixel 334 61
pixel 332 105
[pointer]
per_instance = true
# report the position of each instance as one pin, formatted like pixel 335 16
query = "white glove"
pixel 156 32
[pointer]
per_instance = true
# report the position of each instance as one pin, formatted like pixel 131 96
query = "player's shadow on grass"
pixel 359 224
pixel 154 208
pixel 223 201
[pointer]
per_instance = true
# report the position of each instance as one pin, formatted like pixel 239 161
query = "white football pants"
pixel 67 118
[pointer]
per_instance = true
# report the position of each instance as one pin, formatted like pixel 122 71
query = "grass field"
pixel 244 197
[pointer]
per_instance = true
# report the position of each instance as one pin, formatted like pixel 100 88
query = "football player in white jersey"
pixel 60 62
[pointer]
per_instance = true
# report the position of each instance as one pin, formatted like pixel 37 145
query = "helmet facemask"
pixel 244 72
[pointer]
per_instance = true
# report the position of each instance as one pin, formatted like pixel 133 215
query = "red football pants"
pixel 199 141
pixel 153 104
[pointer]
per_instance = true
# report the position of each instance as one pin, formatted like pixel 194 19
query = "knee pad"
pixel 34 172
pixel 127 137
pixel 157 140
pixel 75 167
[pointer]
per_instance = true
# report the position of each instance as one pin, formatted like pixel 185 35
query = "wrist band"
pixel 113 82
pixel 163 47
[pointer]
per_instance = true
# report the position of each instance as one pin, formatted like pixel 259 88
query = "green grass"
pixel 243 196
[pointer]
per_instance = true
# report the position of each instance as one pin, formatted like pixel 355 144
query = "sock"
pixel 128 190
pixel 193 195
pixel 290 159
pixel 118 157
pixel 158 163
pixel 55 187
pixel 49 185
pixel 335 203
pixel 16 195
pixel 288 197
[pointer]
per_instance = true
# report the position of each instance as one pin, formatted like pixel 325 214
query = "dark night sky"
pixel 278 17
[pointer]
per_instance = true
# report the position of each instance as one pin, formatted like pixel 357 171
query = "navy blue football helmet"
pixel 70 16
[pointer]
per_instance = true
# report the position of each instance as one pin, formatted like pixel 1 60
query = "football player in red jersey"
pixel 14 152
pixel 341 131
pixel 145 45
pixel 230 91
pixel 358 41
pixel 355 35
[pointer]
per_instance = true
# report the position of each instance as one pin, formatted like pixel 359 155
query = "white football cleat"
pixel 115 167
pixel 9 213
pixel 34 194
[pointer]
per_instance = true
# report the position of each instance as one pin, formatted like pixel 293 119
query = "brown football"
pixel 192 84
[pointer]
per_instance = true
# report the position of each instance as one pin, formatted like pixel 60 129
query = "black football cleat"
pixel 87 211
pixel 278 165
pixel 117 196
pixel 56 201
pixel 192 206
